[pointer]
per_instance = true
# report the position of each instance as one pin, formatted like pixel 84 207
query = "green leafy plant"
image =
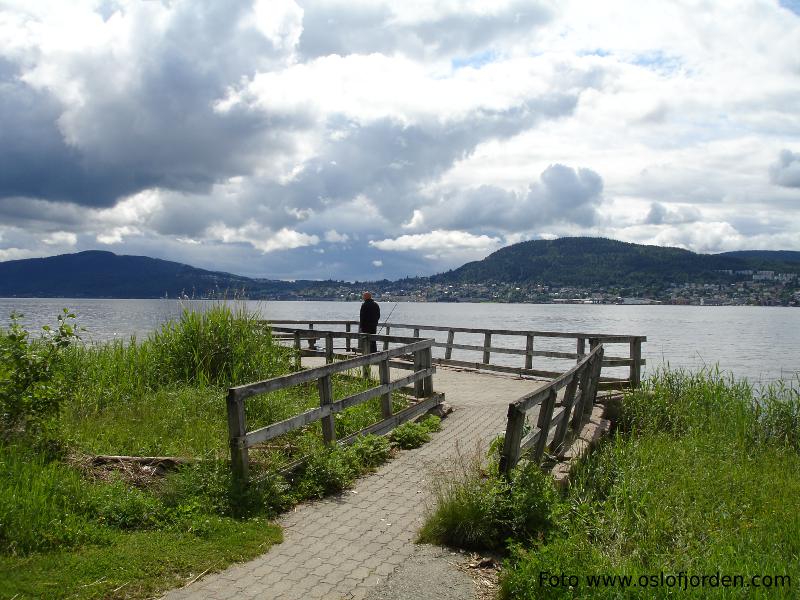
pixel 413 434
pixel 32 385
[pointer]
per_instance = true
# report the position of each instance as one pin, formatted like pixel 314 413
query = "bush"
pixel 477 508
pixel 32 387
pixel 412 435
pixel 328 470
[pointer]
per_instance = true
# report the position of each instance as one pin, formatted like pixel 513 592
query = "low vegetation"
pixel 69 528
pixel 701 479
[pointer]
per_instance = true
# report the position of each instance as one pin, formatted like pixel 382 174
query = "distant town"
pixel 749 288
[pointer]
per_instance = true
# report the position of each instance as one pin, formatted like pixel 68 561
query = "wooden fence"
pixel 527 347
pixel 557 422
pixel 241 440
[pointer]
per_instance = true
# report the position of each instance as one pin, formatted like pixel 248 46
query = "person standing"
pixel 368 318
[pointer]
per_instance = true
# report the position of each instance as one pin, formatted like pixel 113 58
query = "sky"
pixel 362 140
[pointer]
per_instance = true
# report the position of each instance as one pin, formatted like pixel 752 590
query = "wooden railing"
pixel 557 421
pixel 241 440
pixel 527 348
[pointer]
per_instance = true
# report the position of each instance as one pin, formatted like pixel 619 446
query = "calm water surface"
pixel 759 343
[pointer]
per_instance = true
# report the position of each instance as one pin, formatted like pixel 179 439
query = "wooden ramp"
pixel 344 546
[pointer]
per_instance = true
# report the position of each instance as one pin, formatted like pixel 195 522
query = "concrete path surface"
pixel 347 546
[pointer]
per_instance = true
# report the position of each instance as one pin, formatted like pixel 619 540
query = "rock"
pixel 441 410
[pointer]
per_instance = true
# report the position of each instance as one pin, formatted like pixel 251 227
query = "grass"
pixel 69 531
pixel 702 478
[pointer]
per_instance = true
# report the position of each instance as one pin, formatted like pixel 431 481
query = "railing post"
pixel 326 398
pixel 416 332
pixel 636 366
pixel 487 343
pixel 237 430
pixel 563 425
pixel 347 338
pixel 448 351
pixel 427 363
pixel 529 352
pixel 594 379
pixel 577 416
pixel 581 350
pixel 545 416
pixel 419 386
pixel 386 399
pixel 386 342
pixel 297 350
pixel 510 455
pixel 363 341
pixel 328 348
pixel 312 342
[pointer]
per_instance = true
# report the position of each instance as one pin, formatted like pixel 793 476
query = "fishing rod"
pixel 387 318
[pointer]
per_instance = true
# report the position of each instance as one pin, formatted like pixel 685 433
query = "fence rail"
pixel 527 347
pixel 241 440
pixel 556 420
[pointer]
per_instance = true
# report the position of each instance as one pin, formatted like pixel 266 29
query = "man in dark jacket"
pixel 369 317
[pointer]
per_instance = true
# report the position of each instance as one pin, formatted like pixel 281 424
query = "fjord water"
pixel 757 343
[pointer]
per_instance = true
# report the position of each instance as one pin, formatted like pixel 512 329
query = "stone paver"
pixel 343 546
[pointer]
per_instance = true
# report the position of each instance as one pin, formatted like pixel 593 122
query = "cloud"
pixel 786 172
pixel 421 30
pixel 661 215
pixel 261 238
pixel 334 237
pixel 561 195
pixel 61 238
pixel 96 109
pixel 438 240
pixel 377 263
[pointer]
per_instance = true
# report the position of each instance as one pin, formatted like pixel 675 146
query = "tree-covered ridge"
pixel 600 262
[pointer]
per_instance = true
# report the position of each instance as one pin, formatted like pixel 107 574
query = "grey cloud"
pixel 388 161
pixel 160 131
pixel 786 172
pixel 562 195
pixel 332 29
pixel 661 215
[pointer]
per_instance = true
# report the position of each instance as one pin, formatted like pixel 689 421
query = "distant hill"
pixel 580 262
pixel 99 274
pixel 589 262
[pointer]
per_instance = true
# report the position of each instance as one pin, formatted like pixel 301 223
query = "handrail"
pixel 633 361
pixel 241 439
pixel 586 376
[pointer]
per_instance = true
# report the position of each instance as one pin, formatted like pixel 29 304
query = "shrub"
pixel 369 451
pixel 477 508
pixel 327 470
pixel 412 435
pixel 32 387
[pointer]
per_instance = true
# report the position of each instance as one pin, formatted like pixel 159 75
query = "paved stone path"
pixel 344 546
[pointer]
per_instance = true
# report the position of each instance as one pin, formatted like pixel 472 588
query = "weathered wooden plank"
pixel 511 444
pixel 419 390
pixel 427 364
pixel 348 339
pixel 545 416
pixel 636 365
pixel 237 432
pixel 259 436
pixel 386 399
pixel 604 337
pixel 399 417
pixel 448 353
pixel 328 348
pixel 499 368
pixel 277 383
pixel 325 387
pixel 528 351
pixel 563 426
pixel 487 343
